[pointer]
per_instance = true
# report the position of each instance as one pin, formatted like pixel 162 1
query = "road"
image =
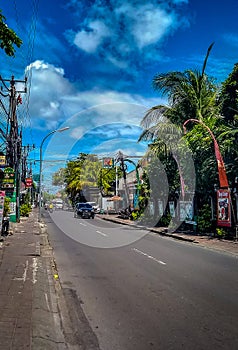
pixel 142 291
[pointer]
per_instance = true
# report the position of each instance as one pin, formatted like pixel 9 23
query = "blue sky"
pixel 90 64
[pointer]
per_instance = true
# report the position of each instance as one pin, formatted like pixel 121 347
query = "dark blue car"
pixel 84 210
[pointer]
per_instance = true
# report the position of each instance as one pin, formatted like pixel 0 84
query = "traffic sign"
pixel 28 182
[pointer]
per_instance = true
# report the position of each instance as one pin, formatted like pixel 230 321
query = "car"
pixel 84 210
pixel 95 206
pixel 58 204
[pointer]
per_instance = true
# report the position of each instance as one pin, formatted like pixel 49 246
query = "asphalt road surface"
pixel 134 290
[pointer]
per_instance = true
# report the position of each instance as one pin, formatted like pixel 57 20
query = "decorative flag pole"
pixel 223 194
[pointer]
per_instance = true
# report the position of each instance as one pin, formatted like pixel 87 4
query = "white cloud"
pixel 48 87
pixel 153 26
pixel 89 40
pixel 53 99
pixel 126 27
pixel 148 23
pixel 77 132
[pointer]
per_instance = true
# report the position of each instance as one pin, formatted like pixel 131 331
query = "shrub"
pixel 204 219
pixel 6 208
pixel 25 209
pixel 220 232
pixel 165 220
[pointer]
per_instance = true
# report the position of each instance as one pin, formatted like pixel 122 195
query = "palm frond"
pixel 206 58
pixel 154 115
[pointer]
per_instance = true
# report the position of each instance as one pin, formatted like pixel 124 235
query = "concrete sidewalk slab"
pixel 29 315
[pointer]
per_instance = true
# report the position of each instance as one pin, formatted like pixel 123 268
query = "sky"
pixel 90 66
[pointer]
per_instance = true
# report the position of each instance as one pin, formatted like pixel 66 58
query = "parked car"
pixel 84 210
pixel 95 207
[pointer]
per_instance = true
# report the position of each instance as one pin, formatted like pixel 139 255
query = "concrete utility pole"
pixel 13 135
pixel 120 158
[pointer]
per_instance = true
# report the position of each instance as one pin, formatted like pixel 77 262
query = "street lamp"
pixel 40 182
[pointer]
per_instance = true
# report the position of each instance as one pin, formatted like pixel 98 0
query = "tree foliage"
pixel 8 38
pixel 58 178
pixel 87 172
pixel 194 95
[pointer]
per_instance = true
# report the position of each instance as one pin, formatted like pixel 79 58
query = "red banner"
pixel 221 167
pixel 223 208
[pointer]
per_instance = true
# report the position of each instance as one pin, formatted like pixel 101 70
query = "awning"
pixel 114 199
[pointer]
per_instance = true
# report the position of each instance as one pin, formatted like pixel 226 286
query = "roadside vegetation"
pixel 192 94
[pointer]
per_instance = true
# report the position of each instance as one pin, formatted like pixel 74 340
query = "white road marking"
pixel 23 278
pixel 149 256
pixel 34 271
pixel 25 271
pixel 47 302
pixel 101 233
pixel 81 223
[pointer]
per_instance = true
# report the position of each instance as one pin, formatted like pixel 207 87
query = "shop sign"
pixel 28 182
pixel 108 162
pixel 8 181
pixel 223 208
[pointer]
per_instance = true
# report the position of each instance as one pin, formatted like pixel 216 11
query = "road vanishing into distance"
pixel 128 289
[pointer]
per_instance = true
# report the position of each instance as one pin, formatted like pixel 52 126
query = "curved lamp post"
pixel 40 182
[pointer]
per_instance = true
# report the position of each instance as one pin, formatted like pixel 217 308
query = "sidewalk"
pixel 230 247
pixel 29 317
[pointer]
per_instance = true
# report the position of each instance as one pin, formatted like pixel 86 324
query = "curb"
pixel 161 233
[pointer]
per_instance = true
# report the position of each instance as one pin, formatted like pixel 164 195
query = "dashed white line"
pixel 34 270
pixel 82 224
pixel 101 233
pixel 149 256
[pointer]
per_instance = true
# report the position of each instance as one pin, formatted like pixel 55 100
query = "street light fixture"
pixel 40 182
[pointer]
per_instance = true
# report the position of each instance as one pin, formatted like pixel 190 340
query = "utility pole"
pixel 13 138
pixel 26 173
pixel 120 158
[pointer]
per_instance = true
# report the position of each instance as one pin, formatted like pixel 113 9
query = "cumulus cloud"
pixel 55 99
pixel 48 88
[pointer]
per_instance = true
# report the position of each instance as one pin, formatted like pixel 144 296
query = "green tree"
pixel 191 95
pixel 58 178
pixel 229 97
pixel 85 172
pixel 8 38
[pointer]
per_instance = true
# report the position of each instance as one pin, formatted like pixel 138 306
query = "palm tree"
pixel 191 95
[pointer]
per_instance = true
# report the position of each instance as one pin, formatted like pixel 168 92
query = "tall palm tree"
pixel 191 94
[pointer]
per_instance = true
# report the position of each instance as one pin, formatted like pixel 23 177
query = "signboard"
pixel 13 204
pixel 136 201
pixel 223 208
pixel 108 162
pixel 160 208
pixel 172 209
pixel 2 160
pixel 186 210
pixel 8 181
pixel 28 182
pixel 2 198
